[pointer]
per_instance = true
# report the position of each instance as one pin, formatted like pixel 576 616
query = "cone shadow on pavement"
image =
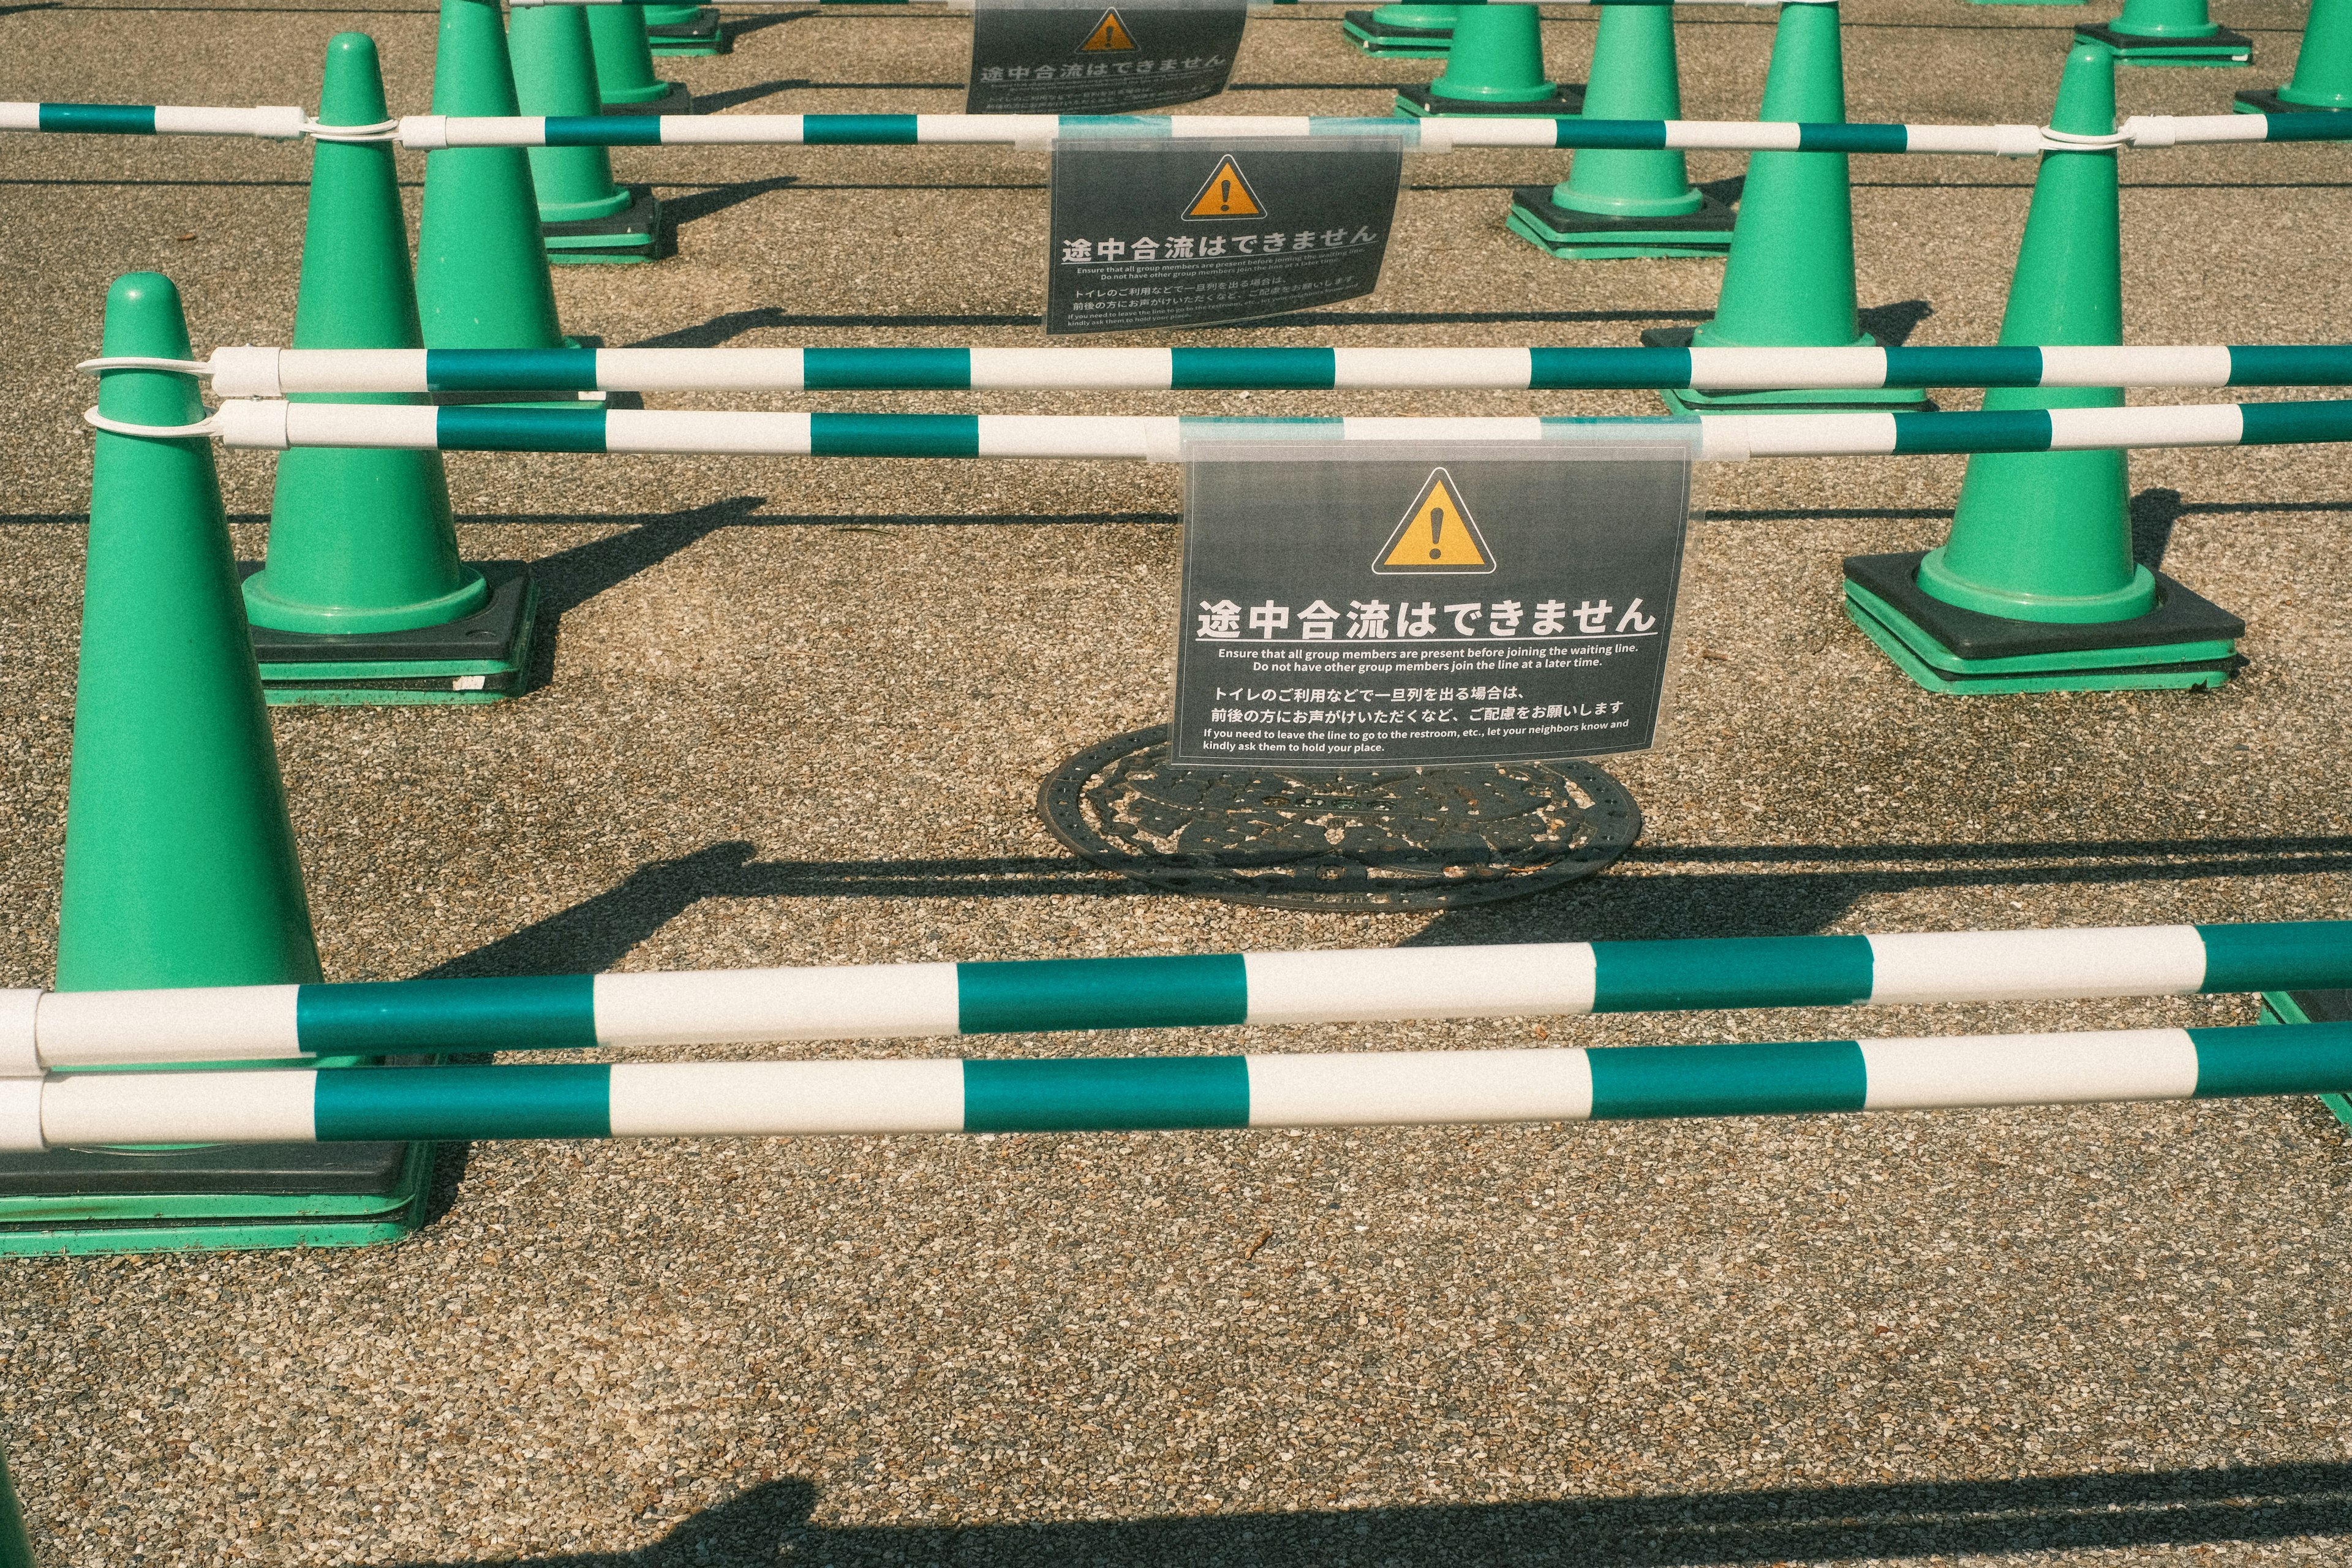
pixel 1618 203
pixel 2037 588
pixel 583 217
pixel 180 863
pixel 1494 65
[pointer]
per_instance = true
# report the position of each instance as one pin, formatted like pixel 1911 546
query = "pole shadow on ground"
pixel 770 1524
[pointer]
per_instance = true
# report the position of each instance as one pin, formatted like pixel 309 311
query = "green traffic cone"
pixel 1494 65
pixel 1419 30
pixel 2170 33
pixel 481 268
pixel 583 217
pixel 2323 66
pixel 359 541
pixel 180 863
pixel 15 1546
pixel 684 30
pixel 180 866
pixel 1789 279
pixel 1617 204
pixel 625 82
pixel 2038 564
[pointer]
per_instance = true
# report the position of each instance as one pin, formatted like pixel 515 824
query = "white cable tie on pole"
pixel 254 423
pixel 2081 141
pixel 248 371
pixel 382 131
pixel 20 1116
pixel 97 421
pixel 424 132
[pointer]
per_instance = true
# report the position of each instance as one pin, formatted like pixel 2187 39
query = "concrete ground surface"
pixel 796 712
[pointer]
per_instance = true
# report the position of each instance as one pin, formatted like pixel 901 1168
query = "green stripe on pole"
pixel 603 131
pixel 1272 368
pixel 1101 994
pixel 1734 971
pixel 2321 365
pixel 846 370
pixel 510 370
pixel 2321 126
pixel 1105 1094
pixel 1609 367
pixel 1600 134
pixel 1964 367
pixel 489 429
pixel 2291 955
pixel 857 130
pixel 426 1104
pixel 542 1012
pixel 1985 430
pixel 2270 424
pixel 1631 1081
pixel 1830 138
pixel 2290 1058
pixel 894 434
pixel 100 119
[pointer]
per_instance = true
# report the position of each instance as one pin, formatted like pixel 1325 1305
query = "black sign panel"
pixel 1180 234
pixel 1030 58
pixel 1414 606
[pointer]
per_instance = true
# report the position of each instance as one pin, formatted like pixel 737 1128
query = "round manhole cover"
pixel 1397 839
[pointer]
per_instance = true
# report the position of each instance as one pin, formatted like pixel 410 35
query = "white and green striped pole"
pixel 803 1099
pixel 263 372
pixel 40 1031
pixel 429 133
pixel 272 425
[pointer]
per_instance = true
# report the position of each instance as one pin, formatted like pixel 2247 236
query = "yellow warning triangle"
pixel 1227 193
pixel 1111 35
pixel 1438 534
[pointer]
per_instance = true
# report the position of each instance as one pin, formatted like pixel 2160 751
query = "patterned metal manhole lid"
pixel 1398 839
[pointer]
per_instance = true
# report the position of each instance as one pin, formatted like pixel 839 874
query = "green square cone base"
pixel 703 36
pixel 2312 1007
pixel 1571 235
pixel 79 1202
pixel 1378 38
pixel 2219 48
pixel 1423 103
pixel 676 99
pixel 2266 100
pixel 481 658
pixel 1902 639
pixel 1843 400
pixel 633 234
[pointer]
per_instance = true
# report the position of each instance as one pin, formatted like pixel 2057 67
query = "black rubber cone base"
pixel 212 1199
pixel 1375 37
pixel 633 234
pixel 676 99
pixel 1567 233
pixel 2218 47
pixel 2187 641
pixel 2266 100
pixel 703 36
pixel 481 658
pixel 1361 841
pixel 1567 97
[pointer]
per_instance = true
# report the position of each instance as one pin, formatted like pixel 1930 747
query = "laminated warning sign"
pixel 1040 56
pixel 1166 233
pixel 1350 605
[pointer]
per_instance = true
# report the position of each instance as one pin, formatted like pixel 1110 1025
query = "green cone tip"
pixel 352 92
pixel 180 865
pixel 2086 92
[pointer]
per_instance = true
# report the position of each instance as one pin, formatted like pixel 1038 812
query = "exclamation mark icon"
pixel 1436 532
pixel 1224 195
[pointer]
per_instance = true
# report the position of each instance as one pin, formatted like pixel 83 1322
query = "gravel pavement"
pixel 795 714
